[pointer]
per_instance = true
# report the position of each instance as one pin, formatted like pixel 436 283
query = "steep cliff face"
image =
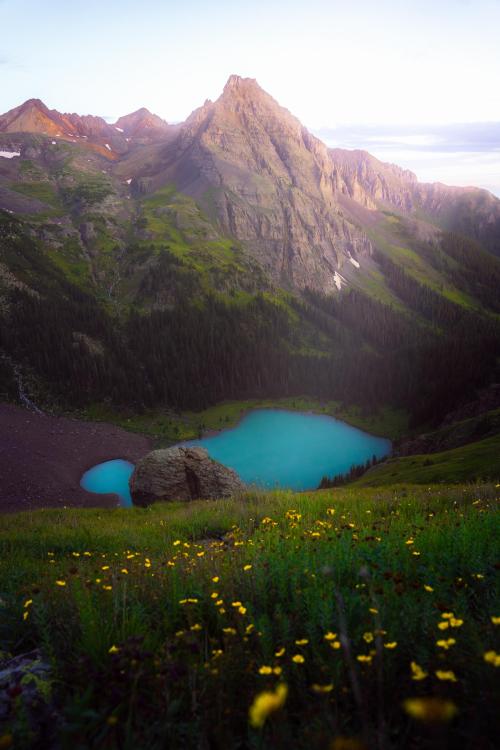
pixel 269 183
pixel 376 185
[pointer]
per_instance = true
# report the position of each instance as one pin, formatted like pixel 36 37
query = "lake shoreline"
pixel 270 446
pixel 42 459
pixel 213 431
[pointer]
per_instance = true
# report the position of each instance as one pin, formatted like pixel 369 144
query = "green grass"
pixel 166 617
pixel 41 191
pixel 478 460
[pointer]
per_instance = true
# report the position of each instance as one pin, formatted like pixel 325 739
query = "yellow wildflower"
pixel 265 704
pixel 456 623
pixel 214 595
pixel 113 650
pixel 330 636
pixel 322 688
pixel 364 658
pixel 229 631
pixel 430 709
pixel 26 614
pixel 446 643
pixel 391 645
pixel 215 579
pixel 302 642
pixel 417 673
pixel 443 625
pixel 495 620
pixel 446 675
pixel 249 628
pixel 298 659
pixel 236 604
pixel 368 637
pixel 265 669
pixel 60 583
pixel 242 610
pixel 373 611
pixel 247 567
pixel 28 603
pixel 124 570
pixel 280 652
pixel 196 627
pixel 335 645
pixel 447 615
pixel 492 658
pixel 428 588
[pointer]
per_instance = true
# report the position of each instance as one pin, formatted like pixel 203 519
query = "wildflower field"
pixel 343 619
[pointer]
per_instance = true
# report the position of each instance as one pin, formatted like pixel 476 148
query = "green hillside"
pixel 476 461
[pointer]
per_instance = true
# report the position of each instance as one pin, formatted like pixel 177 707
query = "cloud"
pixel 457 137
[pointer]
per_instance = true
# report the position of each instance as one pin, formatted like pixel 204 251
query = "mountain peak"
pixel 238 84
pixel 142 123
pixel 30 103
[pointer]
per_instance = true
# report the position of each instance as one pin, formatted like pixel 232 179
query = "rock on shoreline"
pixel 181 473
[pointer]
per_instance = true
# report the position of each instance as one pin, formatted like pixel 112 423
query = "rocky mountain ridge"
pixel 112 140
pixel 309 215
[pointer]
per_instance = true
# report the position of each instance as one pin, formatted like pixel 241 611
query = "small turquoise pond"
pixel 111 476
pixel 269 448
pixel 278 448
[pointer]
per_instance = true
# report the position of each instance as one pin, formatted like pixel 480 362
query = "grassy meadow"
pixel 344 619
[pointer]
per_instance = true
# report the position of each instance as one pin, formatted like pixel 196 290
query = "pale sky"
pixel 361 63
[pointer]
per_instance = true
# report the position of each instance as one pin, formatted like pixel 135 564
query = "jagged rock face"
pixel 370 182
pixel 181 473
pixel 271 184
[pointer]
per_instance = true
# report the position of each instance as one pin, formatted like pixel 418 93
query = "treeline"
pixel 356 471
pixel 204 349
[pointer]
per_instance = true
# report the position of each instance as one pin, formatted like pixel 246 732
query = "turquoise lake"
pixel 269 448
pixel 111 476
pixel 278 448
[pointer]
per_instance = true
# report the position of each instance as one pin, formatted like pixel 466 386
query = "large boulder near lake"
pixel 181 473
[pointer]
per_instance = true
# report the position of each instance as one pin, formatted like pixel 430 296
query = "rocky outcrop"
pixel 181 473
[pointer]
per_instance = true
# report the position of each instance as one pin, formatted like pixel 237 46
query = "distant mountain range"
pixel 240 203
pixel 34 117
